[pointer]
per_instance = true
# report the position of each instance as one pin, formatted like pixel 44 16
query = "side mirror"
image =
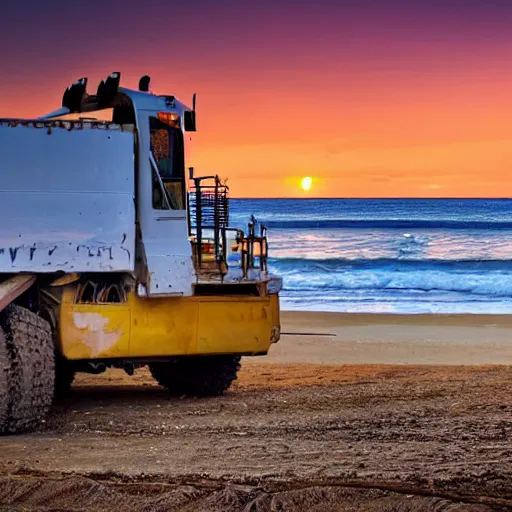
pixel 190 117
pixel 190 121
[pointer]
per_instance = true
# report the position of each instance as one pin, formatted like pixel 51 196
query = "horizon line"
pixel 385 198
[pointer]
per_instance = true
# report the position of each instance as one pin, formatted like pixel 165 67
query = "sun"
pixel 306 183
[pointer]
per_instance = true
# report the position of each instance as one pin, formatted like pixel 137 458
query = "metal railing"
pixel 208 206
pixel 250 243
pixel 209 212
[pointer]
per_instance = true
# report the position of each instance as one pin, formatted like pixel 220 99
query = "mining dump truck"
pixel 113 253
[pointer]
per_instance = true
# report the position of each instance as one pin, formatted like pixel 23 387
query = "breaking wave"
pixel 491 278
pixel 387 224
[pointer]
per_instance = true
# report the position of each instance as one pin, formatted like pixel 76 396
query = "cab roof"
pixel 109 94
pixel 148 101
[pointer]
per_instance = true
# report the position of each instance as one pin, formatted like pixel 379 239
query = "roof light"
pixel 170 118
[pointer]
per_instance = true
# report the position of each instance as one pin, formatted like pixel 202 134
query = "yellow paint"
pixel 89 331
pixel 239 326
pixel 163 326
pixel 146 327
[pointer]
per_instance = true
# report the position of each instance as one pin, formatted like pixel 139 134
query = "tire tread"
pixel 197 375
pixel 30 369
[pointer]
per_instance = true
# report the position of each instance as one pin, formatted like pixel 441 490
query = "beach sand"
pixel 394 339
pixel 393 413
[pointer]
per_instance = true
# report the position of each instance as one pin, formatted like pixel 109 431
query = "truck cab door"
pixel 162 206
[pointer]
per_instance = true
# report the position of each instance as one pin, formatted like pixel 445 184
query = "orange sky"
pixel 444 137
pixel 414 100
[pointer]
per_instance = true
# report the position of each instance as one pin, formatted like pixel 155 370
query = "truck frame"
pixel 114 254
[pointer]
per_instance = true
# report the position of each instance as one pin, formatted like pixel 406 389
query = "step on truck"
pixel 115 254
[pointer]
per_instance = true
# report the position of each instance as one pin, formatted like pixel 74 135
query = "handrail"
pixel 161 183
pixel 210 205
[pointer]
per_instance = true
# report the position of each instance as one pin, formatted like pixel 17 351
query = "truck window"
pixel 167 150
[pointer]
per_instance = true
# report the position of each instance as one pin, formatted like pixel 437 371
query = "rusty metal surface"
pixel 69 125
pixel 12 288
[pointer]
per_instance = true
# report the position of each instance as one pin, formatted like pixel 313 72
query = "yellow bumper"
pixel 146 328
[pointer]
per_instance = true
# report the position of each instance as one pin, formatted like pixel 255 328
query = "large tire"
pixel 197 375
pixel 5 366
pixel 64 369
pixel 30 374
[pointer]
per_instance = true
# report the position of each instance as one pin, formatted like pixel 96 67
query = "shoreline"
pixel 503 309
pixel 382 338
pixel 390 317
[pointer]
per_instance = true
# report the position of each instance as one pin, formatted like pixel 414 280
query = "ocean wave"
pixel 402 305
pixel 491 285
pixel 492 278
pixel 389 255
pixel 400 263
pixel 386 224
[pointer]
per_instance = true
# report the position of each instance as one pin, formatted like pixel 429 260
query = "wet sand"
pixel 391 414
pixel 394 339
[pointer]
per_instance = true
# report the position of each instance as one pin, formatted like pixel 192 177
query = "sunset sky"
pixel 371 98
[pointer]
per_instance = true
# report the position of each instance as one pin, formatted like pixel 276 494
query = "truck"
pixel 115 254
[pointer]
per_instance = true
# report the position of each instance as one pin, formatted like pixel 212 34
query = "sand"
pixel 394 339
pixel 393 413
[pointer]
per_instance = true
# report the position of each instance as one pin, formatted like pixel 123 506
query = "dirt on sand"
pixel 285 437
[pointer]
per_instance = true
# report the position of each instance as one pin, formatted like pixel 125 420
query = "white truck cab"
pixel 114 188
pixel 114 255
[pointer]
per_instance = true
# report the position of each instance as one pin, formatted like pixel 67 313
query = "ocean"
pixel 388 255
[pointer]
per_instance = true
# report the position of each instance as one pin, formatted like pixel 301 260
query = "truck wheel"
pixel 197 375
pixel 4 379
pixel 30 374
pixel 64 376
